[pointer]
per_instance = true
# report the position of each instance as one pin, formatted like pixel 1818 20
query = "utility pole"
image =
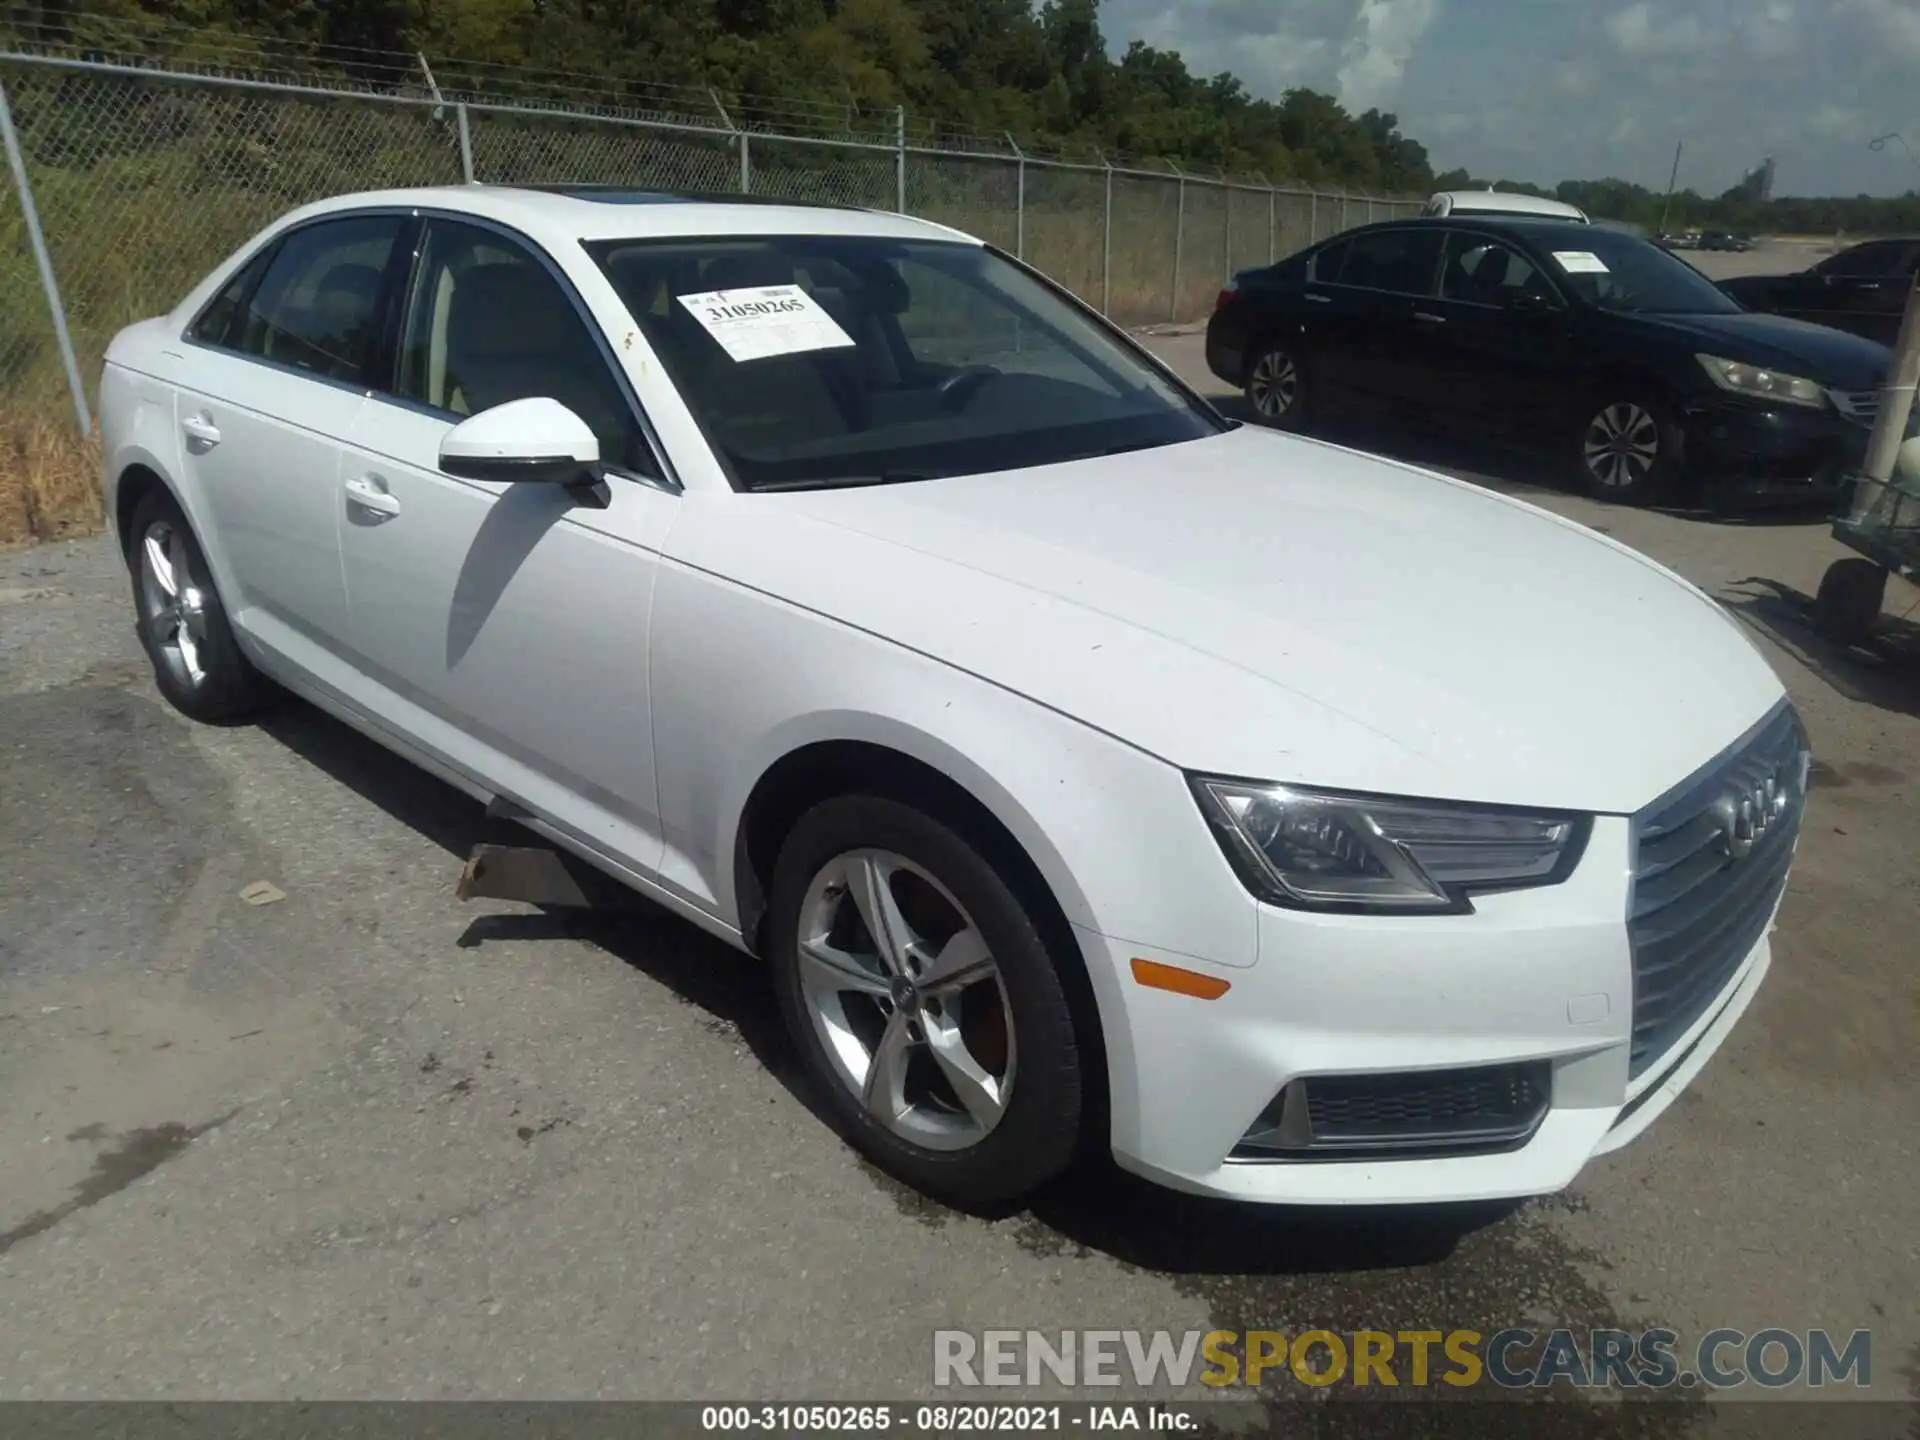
pixel 1672 179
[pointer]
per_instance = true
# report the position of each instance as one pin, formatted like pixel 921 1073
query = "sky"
pixel 1549 90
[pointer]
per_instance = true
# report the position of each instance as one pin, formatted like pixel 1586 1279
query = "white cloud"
pixel 1385 33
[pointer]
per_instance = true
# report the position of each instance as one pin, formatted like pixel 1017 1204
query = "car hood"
pixel 1833 357
pixel 1260 605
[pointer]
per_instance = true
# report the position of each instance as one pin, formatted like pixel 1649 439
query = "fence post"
pixel 466 142
pixel 1313 216
pixel 1369 209
pixel 738 135
pixel 1179 241
pixel 1345 224
pixel 1273 225
pixel 1106 248
pixel 900 158
pixel 746 165
pixel 1226 237
pixel 18 164
pixel 1019 199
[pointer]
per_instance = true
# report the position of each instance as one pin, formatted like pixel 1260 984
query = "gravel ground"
pixel 365 1140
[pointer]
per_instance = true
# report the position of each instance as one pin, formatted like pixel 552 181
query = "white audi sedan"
pixel 1090 771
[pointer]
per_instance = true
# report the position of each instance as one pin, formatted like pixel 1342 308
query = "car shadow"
pixel 1096 1205
pixel 1884 671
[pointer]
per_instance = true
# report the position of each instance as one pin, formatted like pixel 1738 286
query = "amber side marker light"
pixel 1156 976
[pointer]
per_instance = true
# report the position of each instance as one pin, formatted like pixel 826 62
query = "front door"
pixel 1502 355
pixel 505 625
pixel 278 382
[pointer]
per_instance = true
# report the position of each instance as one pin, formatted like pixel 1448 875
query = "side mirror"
pixel 535 441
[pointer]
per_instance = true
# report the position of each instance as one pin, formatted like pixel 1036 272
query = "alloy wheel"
pixel 175 606
pixel 1274 385
pixel 906 999
pixel 1621 446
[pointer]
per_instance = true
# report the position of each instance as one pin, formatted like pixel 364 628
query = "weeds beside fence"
pixel 143 180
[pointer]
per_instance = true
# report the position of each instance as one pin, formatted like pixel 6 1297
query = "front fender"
pixel 741 680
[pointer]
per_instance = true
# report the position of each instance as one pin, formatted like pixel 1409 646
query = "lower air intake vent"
pixel 1428 1113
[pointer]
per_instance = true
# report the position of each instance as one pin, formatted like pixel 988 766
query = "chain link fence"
pixel 143 180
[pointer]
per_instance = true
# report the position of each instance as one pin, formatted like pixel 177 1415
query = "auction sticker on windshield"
pixel 765 321
pixel 1580 262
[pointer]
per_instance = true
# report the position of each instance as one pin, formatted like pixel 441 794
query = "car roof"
pixel 1541 229
pixel 559 214
pixel 1502 201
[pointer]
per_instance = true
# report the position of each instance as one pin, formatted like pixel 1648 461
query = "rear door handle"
pixel 200 429
pixel 1319 299
pixel 1430 317
pixel 367 492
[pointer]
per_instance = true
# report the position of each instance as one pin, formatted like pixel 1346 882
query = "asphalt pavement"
pixel 346 1136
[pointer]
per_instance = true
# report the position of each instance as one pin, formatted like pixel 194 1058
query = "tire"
pixel 1847 609
pixel 979 1125
pixel 1628 447
pixel 205 678
pixel 1276 385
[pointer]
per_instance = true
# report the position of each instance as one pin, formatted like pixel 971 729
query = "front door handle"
pixel 201 430
pixel 1429 317
pixel 368 493
pixel 1319 299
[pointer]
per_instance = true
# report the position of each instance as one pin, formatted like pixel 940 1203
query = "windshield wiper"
pixel 846 482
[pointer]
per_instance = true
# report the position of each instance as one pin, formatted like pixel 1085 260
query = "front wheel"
pixel 923 1001
pixel 1276 386
pixel 1629 447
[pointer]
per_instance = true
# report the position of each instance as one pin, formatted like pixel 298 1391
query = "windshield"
pixel 1616 271
pixel 838 360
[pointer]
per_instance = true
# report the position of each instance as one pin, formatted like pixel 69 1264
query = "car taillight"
pixel 1227 293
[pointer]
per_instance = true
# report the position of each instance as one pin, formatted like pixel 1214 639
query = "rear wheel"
pixel 1629 447
pixel 923 1001
pixel 1276 386
pixel 182 625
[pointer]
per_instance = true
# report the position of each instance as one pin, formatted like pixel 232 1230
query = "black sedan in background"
pixel 1862 289
pixel 1625 361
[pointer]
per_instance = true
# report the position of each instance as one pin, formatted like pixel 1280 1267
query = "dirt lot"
pixel 365 1140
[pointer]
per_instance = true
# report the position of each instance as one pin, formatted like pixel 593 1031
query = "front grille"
pixel 1428 1112
pixel 1698 907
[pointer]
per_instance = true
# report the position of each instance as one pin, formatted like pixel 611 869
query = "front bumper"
pixel 1540 975
pixel 1773 451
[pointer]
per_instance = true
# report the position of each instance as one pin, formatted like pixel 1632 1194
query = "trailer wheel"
pixel 1848 606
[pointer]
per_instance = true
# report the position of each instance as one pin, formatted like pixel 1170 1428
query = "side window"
pixel 1325 267
pixel 486 323
pixel 318 303
pixel 1403 261
pixel 1481 271
pixel 219 323
pixel 1870 261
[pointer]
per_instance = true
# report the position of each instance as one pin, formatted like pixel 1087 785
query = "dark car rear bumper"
pixel 1754 450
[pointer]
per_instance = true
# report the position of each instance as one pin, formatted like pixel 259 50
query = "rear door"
pixel 1363 312
pixel 277 376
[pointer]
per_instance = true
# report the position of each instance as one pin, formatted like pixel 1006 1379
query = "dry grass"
pixel 49 476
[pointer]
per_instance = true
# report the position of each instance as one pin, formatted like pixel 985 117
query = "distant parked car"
pixel 1862 289
pixel 1624 360
pixel 1724 240
pixel 1686 240
pixel 1500 202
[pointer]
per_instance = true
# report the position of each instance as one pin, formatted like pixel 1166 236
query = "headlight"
pixel 1762 383
pixel 1321 850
